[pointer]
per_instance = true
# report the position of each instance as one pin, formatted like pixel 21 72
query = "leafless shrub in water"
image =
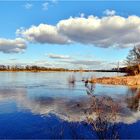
pixel 90 88
pixel 102 114
pixel 71 81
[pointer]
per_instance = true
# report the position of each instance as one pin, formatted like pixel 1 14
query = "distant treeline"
pixel 41 68
pixel 29 68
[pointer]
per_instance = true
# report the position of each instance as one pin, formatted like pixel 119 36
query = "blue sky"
pixel 85 49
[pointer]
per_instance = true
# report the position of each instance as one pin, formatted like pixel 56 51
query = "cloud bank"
pixel 12 46
pixel 107 31
pixel 84 62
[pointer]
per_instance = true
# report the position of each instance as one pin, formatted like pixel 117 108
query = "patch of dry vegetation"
pixel 122 80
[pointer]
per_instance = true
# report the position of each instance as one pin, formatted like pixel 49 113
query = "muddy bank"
pixel 121 80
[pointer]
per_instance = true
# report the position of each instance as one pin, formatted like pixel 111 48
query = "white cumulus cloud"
pixel 12 46
pixel 43 34
pixel 103 32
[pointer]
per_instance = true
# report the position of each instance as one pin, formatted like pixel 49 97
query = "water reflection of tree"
pixel 133 99
pixel 102 114
pixel 71 81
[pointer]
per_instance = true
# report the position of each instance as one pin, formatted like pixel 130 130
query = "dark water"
pixel 45 105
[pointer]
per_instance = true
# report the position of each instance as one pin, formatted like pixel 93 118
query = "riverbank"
pixel 119 80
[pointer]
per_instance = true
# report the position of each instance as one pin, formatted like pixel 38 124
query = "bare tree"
pixel 133 61
pixel 133 57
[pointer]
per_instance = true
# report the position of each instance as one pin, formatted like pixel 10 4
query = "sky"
pixel 68 34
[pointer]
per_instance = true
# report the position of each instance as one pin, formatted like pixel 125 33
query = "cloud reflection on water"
pixel 67 108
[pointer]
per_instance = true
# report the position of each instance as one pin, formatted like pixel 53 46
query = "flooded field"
pixel 48 105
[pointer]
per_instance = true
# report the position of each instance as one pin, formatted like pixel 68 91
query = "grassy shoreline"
pixel 118 80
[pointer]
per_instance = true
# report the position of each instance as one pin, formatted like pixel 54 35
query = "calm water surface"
pixel 45 105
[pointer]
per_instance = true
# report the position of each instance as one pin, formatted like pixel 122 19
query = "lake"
pixel 45 105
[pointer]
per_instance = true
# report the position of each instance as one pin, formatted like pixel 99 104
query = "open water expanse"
pixel 46 105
